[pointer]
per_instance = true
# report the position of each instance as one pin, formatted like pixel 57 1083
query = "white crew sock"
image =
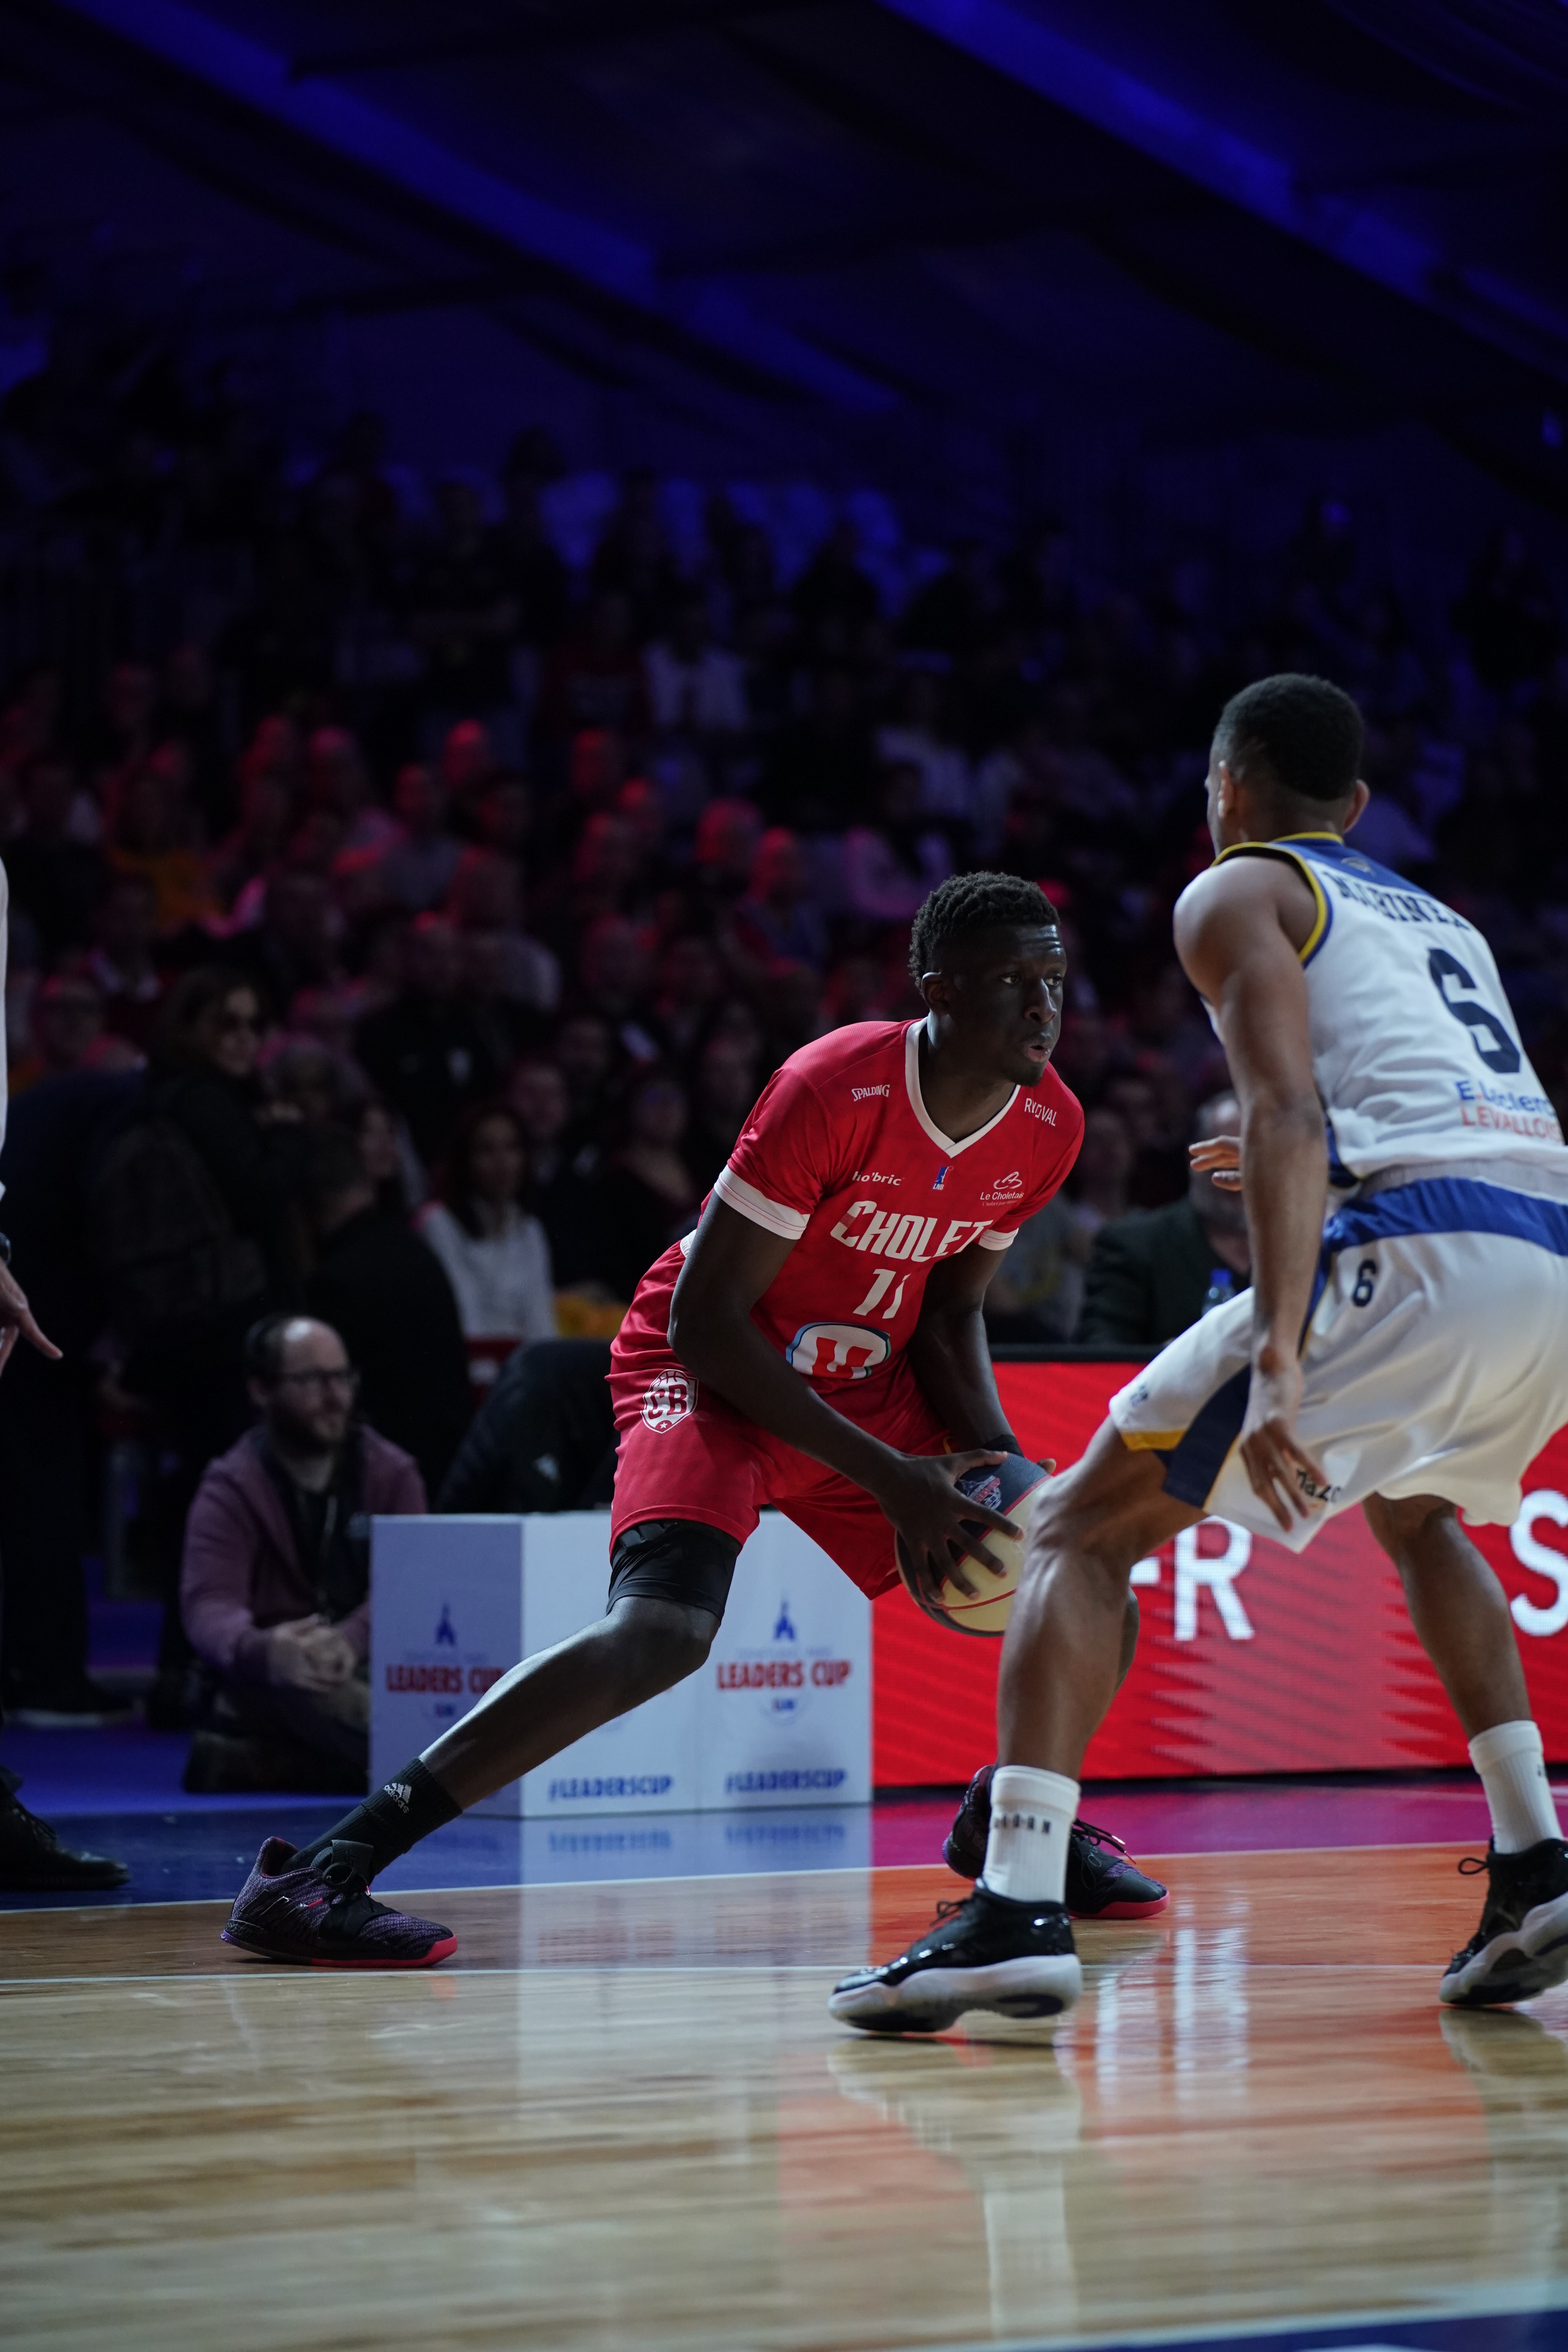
pixel 1027 1851
pixel 1513 1766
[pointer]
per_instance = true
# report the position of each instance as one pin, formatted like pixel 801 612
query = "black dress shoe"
pixel 33 1861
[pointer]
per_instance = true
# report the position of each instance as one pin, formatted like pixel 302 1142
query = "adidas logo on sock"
pixel 400 1791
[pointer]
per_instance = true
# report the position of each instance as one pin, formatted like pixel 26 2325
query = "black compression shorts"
pixel 684 1560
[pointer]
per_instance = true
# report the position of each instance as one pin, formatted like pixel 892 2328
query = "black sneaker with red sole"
pixel 1103 1882
pixel 320 1914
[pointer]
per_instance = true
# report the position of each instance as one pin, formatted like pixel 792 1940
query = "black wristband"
pixel 1006 1442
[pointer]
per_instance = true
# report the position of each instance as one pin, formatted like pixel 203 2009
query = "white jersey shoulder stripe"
pixel 773 1216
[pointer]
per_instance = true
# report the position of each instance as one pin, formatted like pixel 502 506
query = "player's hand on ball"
pixel 1281 1473
pixel 919 1496
pixel 1218 1156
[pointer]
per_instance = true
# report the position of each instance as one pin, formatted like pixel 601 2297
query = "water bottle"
pixel 1221 1289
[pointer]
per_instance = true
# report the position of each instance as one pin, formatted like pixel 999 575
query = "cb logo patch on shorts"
pixel 671 1396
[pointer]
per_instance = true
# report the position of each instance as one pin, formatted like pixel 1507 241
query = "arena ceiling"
pixel 1012 211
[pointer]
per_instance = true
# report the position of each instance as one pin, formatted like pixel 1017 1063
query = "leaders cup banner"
pixel 780 1716
pixel 1251 1658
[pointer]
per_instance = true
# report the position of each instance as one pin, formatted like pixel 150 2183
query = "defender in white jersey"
pixel 1402 1347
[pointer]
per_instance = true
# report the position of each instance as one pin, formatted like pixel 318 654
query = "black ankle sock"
pixel 396 1816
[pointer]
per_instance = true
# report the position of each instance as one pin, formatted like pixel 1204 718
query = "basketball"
pixel 1008 1487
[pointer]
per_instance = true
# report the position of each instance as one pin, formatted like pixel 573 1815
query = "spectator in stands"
pixel 486 896
pixel 196 1230
pixel 376 1282
pixel 832 598
pixel 467 768
pixel 648 1194
pixel 613 982
pixel 723 1091
pixel 426 1052
pixel 1153 1272
pixel 596 678
pixel 65 1021
pixel 55 876
pixel 820 771
pixel 919 738
pixel 122 960
pixel 688 984
pixel 494 1254
pixel 463 615
pixel 778 918
pixel 384 1155
pixel 418 868
pixel 694 686
pixel 543 1439
pixel 31 1855
pixel 149 832
pixel 55 1137
pixel 561 1185
pixel 723 855
pixel 275 1580
pixel 892 868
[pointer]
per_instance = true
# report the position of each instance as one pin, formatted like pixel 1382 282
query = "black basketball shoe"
pixel 1103 1880
pixel 33 1861
pixel 320 1913
pixel 1521 1944
pixel 1014 1959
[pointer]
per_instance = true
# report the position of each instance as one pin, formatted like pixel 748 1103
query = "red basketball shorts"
pixel 687 1455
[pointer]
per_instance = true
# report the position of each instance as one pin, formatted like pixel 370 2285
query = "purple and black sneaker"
pixel 320 1914
pixel 1103 1880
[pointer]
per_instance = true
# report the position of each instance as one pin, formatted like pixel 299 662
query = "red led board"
pixel 1251 1658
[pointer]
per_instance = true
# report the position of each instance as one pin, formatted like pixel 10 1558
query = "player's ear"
pixel 1359 800
pixel 935 990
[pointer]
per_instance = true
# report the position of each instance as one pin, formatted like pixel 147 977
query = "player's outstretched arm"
pixel 1238 931
pixel 731 1263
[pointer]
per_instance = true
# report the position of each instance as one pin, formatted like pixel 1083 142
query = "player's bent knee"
pixel 658 1643
pixel 1408 1528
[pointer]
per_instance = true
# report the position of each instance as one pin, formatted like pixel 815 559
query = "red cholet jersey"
pixel 841 1158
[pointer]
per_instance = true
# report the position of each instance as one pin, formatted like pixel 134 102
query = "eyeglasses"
pixel 345 1379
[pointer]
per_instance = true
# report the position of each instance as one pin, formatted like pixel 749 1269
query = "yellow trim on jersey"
pixel 1314 937
pixel 1150 1441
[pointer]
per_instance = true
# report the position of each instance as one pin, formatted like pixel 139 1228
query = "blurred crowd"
pixel 410 947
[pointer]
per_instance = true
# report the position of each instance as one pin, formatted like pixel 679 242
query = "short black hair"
pixel 969 904
pixel 1307 732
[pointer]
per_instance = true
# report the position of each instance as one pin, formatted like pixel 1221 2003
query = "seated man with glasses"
pixel 275 1583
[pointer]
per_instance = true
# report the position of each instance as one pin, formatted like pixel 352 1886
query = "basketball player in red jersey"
pixel 817 1344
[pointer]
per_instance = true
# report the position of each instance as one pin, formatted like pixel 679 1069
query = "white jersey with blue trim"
pixel 1415 1050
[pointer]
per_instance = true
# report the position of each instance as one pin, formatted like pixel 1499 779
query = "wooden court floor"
pixel 622 2117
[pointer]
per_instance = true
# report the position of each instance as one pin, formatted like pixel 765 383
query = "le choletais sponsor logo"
pixel 785 1674
pixel 1006 1187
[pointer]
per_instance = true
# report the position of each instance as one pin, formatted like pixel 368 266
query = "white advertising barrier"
pixel 780 1716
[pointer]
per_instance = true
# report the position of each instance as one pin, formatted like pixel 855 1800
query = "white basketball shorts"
pixel 1435 1360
